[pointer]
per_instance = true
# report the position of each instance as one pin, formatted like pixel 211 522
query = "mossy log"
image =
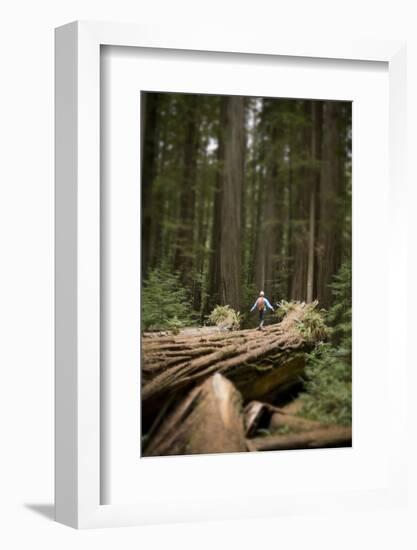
pixel 261 364
pixel 208 420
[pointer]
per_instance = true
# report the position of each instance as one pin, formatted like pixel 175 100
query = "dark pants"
pixel 261 317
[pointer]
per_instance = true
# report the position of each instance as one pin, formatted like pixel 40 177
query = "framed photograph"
pixel 228 213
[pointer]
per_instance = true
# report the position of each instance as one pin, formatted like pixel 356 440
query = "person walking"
pixel 260 303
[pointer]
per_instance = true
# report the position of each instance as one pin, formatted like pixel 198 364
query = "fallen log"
pixel 262 365
pixel 333 436
pixel 265 416
pixel 208 420
pixel 187 331
pixel 256 416
pixel 279 419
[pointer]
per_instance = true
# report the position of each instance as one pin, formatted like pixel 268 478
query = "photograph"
pixel 208 266
pixel 246 274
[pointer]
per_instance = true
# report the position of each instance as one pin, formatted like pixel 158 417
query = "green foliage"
pixel 165 302
pixel 313 325
pixel 328 396
pixel 340 314
pixel 285 307
pixel 174 324
pixel 249 290
pixel 225 315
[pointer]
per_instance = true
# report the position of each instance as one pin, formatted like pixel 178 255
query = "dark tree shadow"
pixel 45 510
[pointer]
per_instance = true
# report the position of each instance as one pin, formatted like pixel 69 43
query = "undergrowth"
pixel 328 385
pixel 226 316
pixel 313 325
pixel 165 302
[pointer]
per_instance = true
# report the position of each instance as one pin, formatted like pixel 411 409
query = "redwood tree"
pixel 230 199
pixel 330 226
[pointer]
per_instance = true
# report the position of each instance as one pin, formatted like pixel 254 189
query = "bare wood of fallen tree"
pixel 260 364
pixel 303 433
pixel 208 420
pixel 331 436
pixel 259 415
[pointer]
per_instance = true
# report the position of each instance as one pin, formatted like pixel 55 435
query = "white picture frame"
pixel 78 405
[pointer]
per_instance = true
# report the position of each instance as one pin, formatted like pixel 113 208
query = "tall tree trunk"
pixel 269 230
pixel 311 232
pixel 231 227
pixel 328 246
pixel 200 244
pixel 315 148
pixel 289 262
pixel 184 255
pixel 149 149
pixel 260 250
pixel 301 208
pixel 215 259
pixel 227 225
pixel 254 200
pixel 157 254
pixel 269 235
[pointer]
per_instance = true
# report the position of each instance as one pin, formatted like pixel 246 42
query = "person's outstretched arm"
pixel 268 304
pixel 254 305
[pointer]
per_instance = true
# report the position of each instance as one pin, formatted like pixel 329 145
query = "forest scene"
pixel 246 306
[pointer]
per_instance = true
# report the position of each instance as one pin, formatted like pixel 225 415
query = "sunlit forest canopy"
pixel 242 194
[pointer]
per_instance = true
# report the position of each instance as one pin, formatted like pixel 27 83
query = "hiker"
pixel 260 303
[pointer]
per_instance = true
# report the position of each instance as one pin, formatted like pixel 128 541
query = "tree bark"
pixel 231 203
pixel 208 420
